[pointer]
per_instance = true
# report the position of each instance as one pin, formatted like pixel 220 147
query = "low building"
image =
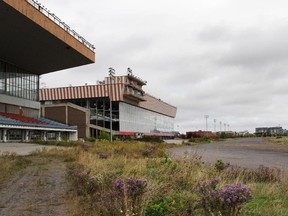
pixel 269 131
pixel 118 103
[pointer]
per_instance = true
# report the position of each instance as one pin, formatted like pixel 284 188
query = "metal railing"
pixel 60 23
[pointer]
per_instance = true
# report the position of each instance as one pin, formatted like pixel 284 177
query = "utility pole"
pixel 111 75
pixel 215 125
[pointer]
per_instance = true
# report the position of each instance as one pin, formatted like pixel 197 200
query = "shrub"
pixel 160 207
pixel 220 165
pixel 261 174
pixel 104 136
pixel 150 139
pixel 226 201
pixel 173 204
pixel 266 174
pixel 80 177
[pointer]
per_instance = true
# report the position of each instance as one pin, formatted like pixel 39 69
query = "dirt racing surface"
pixel 39 189
pixel 245 152
pixel 22 148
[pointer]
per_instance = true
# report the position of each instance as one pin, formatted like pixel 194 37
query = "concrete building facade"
pixel 133 112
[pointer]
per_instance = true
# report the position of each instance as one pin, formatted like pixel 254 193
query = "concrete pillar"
pixel 44 135
pixel 26 137
pixel 73 136
pixel 5 135
pixel 58 136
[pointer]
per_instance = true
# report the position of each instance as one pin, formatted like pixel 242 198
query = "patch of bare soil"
pixel 40 189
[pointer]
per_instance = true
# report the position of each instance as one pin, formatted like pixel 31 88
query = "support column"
pixel 44 135
pixel 58 136
pixel 5 135
pixel 73 136
pixel 26 137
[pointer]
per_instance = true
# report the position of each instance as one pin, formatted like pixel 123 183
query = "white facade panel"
pixel 135 119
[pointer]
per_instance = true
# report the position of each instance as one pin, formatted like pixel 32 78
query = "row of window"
pixel 17 82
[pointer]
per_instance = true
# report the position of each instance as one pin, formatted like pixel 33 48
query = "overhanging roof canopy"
pixel 32 41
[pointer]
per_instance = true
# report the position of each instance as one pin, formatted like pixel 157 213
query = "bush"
pixel 220 165
pixel 261 174
pixel 160 207
pixel 104 136
pixel 150 139
pixel 173 204
pixel 83 183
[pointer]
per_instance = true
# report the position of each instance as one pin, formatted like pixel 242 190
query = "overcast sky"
pixel 222 58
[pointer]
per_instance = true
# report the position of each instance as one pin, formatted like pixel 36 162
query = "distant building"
pixel 33 42
pixel 134 112
pixel 269 131
pixel 243 133
pixel 199 134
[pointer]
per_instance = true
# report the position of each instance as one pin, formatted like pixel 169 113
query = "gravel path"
pixel 245 152
pixel 40 190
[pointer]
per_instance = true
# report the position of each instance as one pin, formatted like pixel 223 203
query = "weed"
pixel 220 165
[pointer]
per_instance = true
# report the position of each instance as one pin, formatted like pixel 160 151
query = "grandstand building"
pixel 33 42
pixel 133 112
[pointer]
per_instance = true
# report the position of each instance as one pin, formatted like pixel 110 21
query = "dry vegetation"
pixel 101 176
pixel 281 140
pixel 171 183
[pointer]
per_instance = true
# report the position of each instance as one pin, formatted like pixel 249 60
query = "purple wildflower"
pixel 118 188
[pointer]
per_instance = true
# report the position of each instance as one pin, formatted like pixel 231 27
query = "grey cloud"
pixel 232 68
pixel 257 48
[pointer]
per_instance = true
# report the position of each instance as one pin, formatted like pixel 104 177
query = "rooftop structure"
pixel 34 41
pixel 37 41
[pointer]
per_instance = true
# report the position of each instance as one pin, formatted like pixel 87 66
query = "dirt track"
pixel 23 148
pixel 246 152
pixel 40 189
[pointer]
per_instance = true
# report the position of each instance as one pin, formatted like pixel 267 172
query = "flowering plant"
pixel 129 194
pixel 226 201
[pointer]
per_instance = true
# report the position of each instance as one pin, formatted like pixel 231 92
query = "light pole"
pixel 220 126
pixel 111 75
pixel 224 127
pixel 215 125
pixel 206 117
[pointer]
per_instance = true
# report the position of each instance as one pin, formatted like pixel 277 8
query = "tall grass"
pixel 283 141
pixel 94 170
pixel 10 163
pixel 171 183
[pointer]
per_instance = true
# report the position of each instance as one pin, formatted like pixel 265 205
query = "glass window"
pixel 17 82
pixel 136 119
